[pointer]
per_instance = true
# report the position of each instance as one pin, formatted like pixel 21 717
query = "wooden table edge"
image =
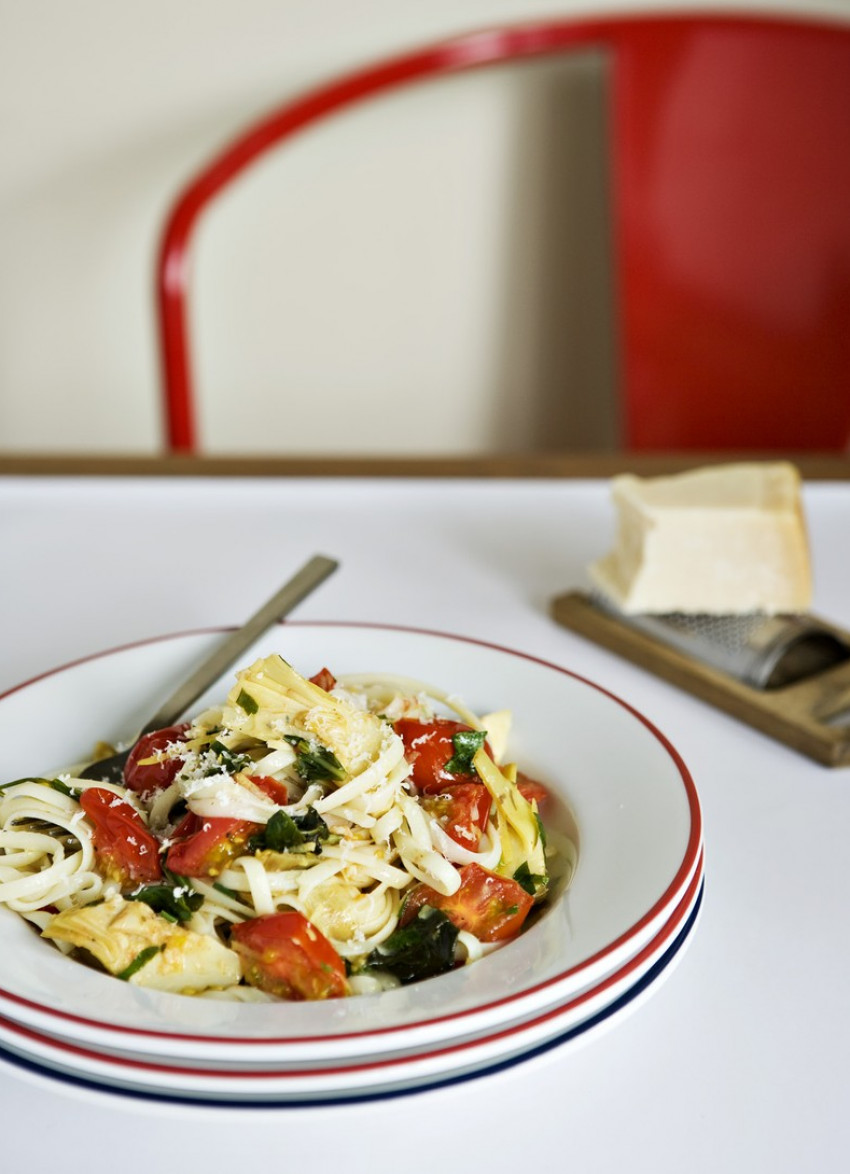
pixel 813 467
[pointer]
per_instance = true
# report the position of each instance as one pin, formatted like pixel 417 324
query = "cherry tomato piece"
pixel 489 906
pixel 429 747
pixel 531 790
pixel 205 846
pixel 147 777
pixel 285 955
pixel 462 811
pixel 325 679
pixel 271 788
pixel 125 850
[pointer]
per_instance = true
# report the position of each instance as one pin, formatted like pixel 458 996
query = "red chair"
pixel 730 164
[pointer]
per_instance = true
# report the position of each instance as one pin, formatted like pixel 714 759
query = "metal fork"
pixel 301 584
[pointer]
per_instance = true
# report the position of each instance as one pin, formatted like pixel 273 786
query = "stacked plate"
pixel 604 943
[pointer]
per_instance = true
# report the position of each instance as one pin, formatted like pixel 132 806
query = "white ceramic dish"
pixel 379 1077
pixel 632 798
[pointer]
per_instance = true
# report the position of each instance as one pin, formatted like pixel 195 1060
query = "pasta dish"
pixel 308 839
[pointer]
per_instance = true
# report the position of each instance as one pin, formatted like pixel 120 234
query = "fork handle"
pixel 233 646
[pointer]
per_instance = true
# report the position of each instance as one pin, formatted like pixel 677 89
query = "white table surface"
pixel 740 1061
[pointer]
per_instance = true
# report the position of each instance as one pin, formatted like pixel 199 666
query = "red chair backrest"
pixel 730 165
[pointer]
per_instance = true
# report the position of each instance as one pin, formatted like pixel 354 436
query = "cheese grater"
pixel 787 675
pixel 764 651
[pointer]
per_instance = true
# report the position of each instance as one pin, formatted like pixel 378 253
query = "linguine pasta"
pixel 290 843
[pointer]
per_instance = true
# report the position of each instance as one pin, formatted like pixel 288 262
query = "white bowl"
pixel 632 798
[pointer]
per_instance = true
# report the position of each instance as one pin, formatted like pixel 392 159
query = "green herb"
pixel 174 899
pixel 532 882
pixel 467 743
pixel 63 788
pixel 421 949
pixel 314 762
pixel 283 833
pixel 29 779
pixel 229 759
pixel 246 701
pixel 311 825
pixel 139 961
pixel 234 896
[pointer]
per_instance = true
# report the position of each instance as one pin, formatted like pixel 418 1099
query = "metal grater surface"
pixel 763 651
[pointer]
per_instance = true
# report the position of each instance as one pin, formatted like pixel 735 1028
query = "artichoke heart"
pixel 270 700
pixel 117 932
pixel 336 910
pixel 516 820
pixel 286 861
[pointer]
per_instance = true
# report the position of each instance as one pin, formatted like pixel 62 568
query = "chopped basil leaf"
pixel 141 959
pixel 231 761
pixel 282 833
pixel 285 832
pixel 467 743
pixel 246 701
pixel 234 896
pixel 421 949
pixel 314 762
pixel 33 779
pixel 532 882
pixel 311 825
pixel 174 899
pixel 64 789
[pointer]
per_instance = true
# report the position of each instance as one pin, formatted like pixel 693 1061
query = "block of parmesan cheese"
pixel 721 540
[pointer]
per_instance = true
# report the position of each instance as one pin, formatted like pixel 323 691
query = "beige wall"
pixel 406 260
